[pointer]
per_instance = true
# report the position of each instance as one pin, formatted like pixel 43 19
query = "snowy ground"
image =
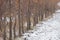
pixel 47 30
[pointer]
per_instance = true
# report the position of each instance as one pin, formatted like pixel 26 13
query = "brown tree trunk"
pixel 28 17
pixel 10 28
pixel 10 25
pixel 1 24
pixel 19 19
pixel 14 29
pixel 4 35
pixel 22 24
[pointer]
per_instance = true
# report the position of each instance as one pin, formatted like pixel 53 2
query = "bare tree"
pixel 14 28
pixel 28 17
pixel 10 26
pixel 4 35
pixel 19 17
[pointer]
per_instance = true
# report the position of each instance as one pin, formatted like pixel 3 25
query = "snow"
pixel 58 11
pixel 46 30
pixel 8 19
pixel 58 3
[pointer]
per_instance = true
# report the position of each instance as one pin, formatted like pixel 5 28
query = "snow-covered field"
pixel 46 30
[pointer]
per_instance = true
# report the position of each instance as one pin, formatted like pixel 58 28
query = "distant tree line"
pixel 19 16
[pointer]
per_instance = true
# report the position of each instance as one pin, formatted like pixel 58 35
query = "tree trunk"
pixel 19 19
pixel 28 17
pixel 10 28
pixel 14 29
pixel 4 29
pixel 10 25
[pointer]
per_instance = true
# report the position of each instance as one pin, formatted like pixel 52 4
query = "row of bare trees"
pixel 19 16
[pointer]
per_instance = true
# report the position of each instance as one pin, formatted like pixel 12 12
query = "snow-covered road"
pixel 47 30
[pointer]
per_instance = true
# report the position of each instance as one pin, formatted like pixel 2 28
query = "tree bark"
pixel 10 25
pixel 28 17
pixel 4 29
pixel 19 19
pixel 14 29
